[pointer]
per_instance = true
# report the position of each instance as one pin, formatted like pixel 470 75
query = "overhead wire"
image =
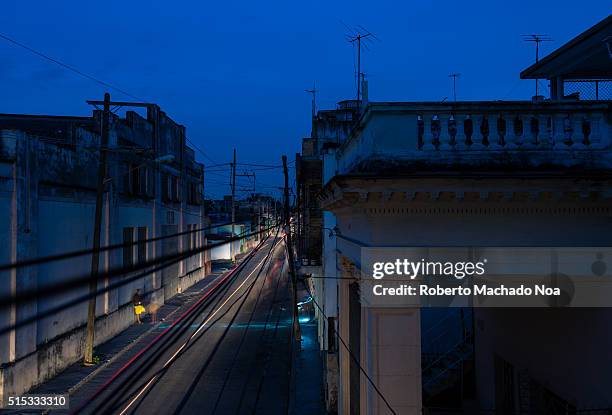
pixel 162 263
pixel 82 252
pixel 189 343
pixel 69 67
pixel 350 352
pixel 144 387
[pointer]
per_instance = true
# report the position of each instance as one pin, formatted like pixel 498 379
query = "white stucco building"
pixel 473 174
pixel 48 173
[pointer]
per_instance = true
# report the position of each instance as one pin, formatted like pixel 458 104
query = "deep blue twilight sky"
pixel 234 72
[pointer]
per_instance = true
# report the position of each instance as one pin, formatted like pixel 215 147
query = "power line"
pixel 100 82
pixel 161 263
pixel 261 165
pixel 217 345
pixel 352 355
pixel 218 164
pixel 82 252
pixel 91 78
pixel 69 67
pixel 110 287
pixel 129 382
pixel 200 150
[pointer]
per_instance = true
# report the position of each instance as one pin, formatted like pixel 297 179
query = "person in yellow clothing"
pixel 138 307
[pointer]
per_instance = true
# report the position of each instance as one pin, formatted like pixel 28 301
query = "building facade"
pixel 48 178
pixel 429 175
pixel 330 128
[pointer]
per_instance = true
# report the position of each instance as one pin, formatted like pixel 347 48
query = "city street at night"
pixel 306 208
pixel 228 353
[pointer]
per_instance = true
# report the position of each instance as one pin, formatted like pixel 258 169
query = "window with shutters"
pixel 193 194
pixel 138 181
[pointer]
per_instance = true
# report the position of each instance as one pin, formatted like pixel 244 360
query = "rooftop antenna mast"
pixel 454 76
pixel 360 36
pixel 313 91
pixel 537 39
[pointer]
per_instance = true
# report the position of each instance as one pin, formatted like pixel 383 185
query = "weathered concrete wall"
pixel 64 225
pixel 47 200
pixel 6 210
pixel 54 356
pixel 191 278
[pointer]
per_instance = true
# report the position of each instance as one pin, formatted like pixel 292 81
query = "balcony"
pixel 500 126
pixel 509 134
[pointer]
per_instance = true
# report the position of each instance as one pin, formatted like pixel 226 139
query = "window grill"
pixel 589 89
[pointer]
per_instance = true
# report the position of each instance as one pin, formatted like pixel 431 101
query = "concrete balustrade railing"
pixel 512 130
pixel 561 133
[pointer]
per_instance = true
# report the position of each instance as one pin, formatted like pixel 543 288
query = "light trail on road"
pixel 202 325
pixel 218 285
pixel 214 365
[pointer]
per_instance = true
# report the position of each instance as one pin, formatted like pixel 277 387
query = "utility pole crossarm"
pixel 122 103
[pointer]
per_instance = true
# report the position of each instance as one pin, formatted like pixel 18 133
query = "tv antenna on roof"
pixel 454 76
pixel 313 91
pixel 362 37
pixel 537 39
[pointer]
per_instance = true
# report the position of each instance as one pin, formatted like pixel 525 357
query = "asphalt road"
pixel 230 355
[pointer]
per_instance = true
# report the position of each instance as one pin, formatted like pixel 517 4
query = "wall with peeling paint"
pixel 48 174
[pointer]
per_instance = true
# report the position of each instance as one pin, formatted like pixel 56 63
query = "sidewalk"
pixel 307 388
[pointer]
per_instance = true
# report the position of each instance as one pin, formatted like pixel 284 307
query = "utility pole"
pixel 359 37
pixel 454 76
pixel 153 114
pixel 298 211
pixel 537 39
pixel 95 257
pixel 232 254
pixel 259 235
pixel 296 320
